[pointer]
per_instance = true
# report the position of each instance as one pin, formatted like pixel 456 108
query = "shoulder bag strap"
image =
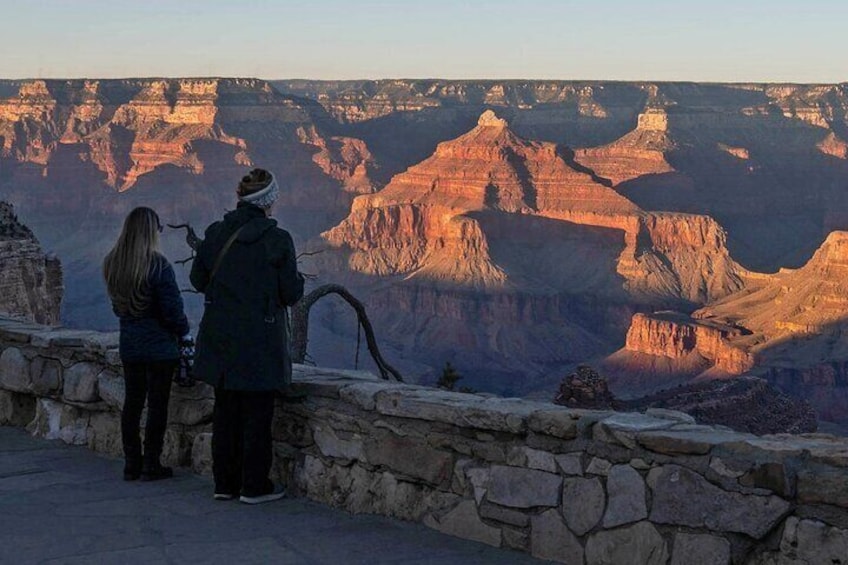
pixel 223 252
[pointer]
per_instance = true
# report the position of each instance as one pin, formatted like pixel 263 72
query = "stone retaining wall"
pixel 573 486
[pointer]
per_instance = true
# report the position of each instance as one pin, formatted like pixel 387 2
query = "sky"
pixel 717 41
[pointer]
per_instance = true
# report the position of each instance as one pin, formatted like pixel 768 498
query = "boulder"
pixel 46 376
pixel 682 497
pixel 464 522
pixel 517 487
pixel 640 543
pixel 700 549
pixel 201 454
pixel 583 502
pixel 81 383
pixel 626 497
pixel 14 371
pixel 550 539
pixel 112 389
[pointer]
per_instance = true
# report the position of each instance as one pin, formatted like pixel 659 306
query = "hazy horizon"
pixel 611 40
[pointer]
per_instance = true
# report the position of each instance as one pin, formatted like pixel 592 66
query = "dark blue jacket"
pixel 154 336
pixel 243 341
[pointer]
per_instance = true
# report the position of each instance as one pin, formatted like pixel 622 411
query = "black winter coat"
pixel 154 335
pixel 243 341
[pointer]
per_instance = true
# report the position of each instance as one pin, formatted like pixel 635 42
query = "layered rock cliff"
pixel 30 281
pixel 358 101
pixel 676 336
pixel 422 222
pixel 789 327
pixel 640 152
pixel 130 128
pixel 443 220
pixel 630 196
pixel 521 222
pixel 735 152
pixel 77 155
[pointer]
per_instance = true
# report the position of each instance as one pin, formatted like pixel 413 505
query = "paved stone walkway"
pixel 63 504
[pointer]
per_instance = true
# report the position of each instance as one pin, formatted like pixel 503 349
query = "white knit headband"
pixel 265 197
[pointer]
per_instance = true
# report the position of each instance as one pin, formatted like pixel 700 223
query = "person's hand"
pixel 184 375
pixel 187 348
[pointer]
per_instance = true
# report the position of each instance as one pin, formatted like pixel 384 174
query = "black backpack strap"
pixel 223 252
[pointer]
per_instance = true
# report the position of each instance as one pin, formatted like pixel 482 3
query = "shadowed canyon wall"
pixel 30 281
pixel 510 227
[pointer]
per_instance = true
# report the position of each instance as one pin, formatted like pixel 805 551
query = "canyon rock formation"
pixel 787 327
pixel 735 152
pixel 451 217
pixel 77 155
pixel 30 281
pixel 513 228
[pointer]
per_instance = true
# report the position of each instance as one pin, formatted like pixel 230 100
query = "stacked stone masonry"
pixel 573 486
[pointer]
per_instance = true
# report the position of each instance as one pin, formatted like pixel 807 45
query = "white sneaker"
pixel 276 494
pixel 223 496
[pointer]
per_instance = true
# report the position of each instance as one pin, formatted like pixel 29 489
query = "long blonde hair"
pixel 128 265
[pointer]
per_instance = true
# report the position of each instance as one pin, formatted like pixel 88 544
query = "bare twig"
pixel 191 237
pixel 300 327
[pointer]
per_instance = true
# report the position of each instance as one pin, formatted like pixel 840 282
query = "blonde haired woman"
pixel 145 297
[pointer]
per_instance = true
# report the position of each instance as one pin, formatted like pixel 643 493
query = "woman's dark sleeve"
pixel 200 267
pixel 170 301
pixel 289 281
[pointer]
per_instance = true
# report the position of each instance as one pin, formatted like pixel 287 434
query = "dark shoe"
pixel 225 492
pixel 277 492
pixel 156 473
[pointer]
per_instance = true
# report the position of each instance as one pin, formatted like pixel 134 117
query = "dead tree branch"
pixel 191 237
pixel 300 327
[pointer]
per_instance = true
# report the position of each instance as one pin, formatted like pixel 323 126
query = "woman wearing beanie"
pixel 145 296
pixel 247 268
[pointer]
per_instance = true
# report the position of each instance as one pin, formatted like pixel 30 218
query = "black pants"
pixel 241 441
pixel 150 381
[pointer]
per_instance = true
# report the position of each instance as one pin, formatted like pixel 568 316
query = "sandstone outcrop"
pixel 30 281
pixel 585 388
pixel 640 152
pixel 521 221
pixel 738 151
pixel 129 128
pixel 421 223
pixel 359 101
pixel 434 221
pixel 832 145
pixel 77 155
pixel 788 328
pixel 677 336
